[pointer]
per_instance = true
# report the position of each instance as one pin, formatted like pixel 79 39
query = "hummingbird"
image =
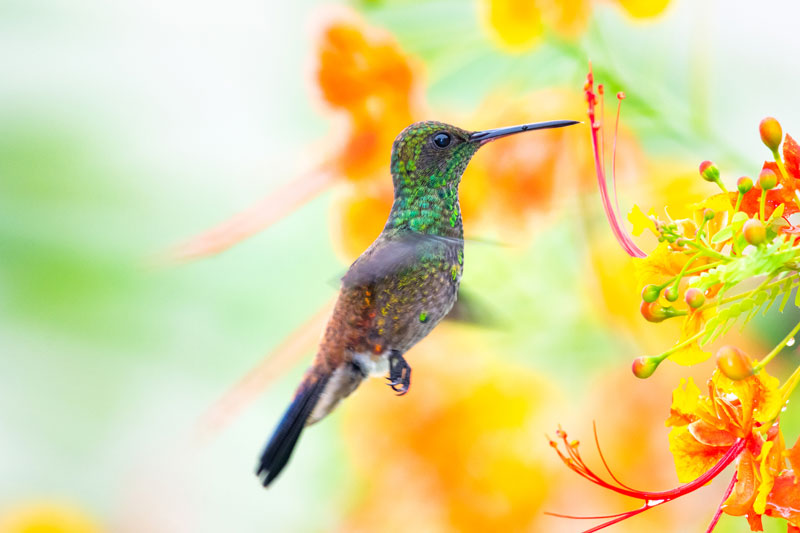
pixel 400 288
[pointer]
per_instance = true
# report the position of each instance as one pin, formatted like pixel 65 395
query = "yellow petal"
pixel 692 354
pixel 767 479
pixel 685 402
pixel 770 400
pixel 662 263
pixel 692 458
pixel 641 221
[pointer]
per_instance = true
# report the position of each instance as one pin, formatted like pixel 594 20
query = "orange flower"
pixel 363 72
pixel 734 422
pixel 704 428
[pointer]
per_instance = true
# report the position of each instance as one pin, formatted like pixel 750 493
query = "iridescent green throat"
pixel 426 192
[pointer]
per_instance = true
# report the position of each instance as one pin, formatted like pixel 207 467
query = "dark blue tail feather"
pixel 279 448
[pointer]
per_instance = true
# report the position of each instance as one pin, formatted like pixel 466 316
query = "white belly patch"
pixel 373 367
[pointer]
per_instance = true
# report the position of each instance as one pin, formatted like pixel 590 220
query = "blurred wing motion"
pixel 395 254
pixel 263 214
pixel 469 309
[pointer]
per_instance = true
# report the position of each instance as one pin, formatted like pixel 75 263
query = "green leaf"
pixel 787 291
pixel 722 235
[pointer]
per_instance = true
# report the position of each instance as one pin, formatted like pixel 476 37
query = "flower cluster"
pixel 696 274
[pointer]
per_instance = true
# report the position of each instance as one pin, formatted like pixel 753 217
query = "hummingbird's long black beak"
pixel 485 136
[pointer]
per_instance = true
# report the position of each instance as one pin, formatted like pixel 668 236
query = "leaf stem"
pixel 706 251
pixel 776 154
pixel 682 344
pixel 771 355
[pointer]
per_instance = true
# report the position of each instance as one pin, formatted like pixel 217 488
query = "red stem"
pixel 718 514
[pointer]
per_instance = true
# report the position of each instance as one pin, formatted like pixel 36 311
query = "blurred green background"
pixel 126 127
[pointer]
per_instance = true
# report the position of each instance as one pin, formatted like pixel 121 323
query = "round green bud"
pixel 767 179
pixel 771 133
pixel 754 232
pixel 709 171
pixel 671 294
pixel 694 297
pixel 708 214
pixel 650 293
pixel 644 366
pixel 744 184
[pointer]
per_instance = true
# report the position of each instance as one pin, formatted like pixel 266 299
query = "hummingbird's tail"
pixel 279 448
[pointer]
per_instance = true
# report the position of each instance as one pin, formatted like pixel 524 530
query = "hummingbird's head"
pixel 431 154
pixel 434 154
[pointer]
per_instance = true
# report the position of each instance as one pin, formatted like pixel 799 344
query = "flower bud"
pixel 767 179
pixel 709 171
pixel 754 232
pixel 671 294
pixel 708 214
pixel 650 293
pixel 694 297
pixel 734 363
pixel 771 133
pixel 644 366
pixel 653 311
pixel 744 184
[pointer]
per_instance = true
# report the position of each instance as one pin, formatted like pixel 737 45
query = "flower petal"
pixel 709 435
pixel 744 492
pixel 685 401
pixel 784 499
pixel 641 221
pixel 692 458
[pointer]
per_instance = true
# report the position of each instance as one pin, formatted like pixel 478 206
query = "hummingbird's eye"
pixel 441 139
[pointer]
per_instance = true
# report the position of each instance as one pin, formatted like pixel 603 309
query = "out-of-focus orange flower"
pixel 46 517
pixel 363 72
pixel 459 444
pixel 360 217
pixel 518 25
pixel 520 175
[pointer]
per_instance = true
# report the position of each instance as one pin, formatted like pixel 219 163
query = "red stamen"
pixel 601 92
pixel 718 514
pixel 602 458
pixel 620 97
pixel 574 462
pixel 613 218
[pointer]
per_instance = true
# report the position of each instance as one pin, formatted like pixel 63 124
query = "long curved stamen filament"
pixel 572 458
pixel 613 217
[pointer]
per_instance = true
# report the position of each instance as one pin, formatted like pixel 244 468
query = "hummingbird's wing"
pixel 470 309
pixel 393 253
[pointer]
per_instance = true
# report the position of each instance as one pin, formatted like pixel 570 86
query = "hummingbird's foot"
pixel 399 373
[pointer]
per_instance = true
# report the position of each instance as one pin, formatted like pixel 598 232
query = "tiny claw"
pixel 399 374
